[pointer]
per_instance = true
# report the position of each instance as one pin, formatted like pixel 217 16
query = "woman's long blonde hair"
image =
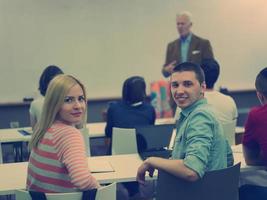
pixel 57 90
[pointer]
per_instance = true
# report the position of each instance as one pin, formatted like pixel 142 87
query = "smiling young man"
pixel 200 145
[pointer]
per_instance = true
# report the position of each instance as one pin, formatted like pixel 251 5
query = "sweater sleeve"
pixel 71 151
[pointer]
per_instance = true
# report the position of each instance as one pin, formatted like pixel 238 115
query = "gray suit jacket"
pixel 199 49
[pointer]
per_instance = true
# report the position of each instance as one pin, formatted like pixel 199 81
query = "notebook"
pixel 153 140
pixel 25 132
pixel 100 166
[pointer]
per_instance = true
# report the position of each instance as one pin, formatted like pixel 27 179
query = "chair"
pixel 229 132
pixel 123 141
pixel 219 184
pixel 103 193
pixel 86 138
pixel 1 154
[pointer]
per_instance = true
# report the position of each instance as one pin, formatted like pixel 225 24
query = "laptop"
pixel 153 140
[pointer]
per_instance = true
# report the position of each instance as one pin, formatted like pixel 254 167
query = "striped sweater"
pixel 59 163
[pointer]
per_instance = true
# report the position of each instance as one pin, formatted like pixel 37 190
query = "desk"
pixel 239 131
pixel 96 130
pixel 13 175
pixel 254 175
pixel 12 135
pixel 165 121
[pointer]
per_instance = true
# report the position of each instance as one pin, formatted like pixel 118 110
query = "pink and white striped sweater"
pixel 59 163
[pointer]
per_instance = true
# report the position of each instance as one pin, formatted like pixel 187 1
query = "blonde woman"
pixel 58 160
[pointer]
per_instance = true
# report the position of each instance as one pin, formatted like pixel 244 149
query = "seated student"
pixel 200 144
pixel 255 138
pixel 225 107
pixel 58 161
pixel 36 106
pixel 132 110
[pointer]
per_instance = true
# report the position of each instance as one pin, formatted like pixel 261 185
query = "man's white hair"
pixel 185 13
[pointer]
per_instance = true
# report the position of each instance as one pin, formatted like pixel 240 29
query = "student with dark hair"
pixel 36 106
pixel 255 138
pixel 200 145
pixel 132 110
pixel 225 106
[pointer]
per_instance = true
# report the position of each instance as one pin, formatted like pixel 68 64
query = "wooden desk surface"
pixel 13 175
pixel 12 134
pixel 95 130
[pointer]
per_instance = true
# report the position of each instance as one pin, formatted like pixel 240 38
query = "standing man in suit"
pixel 188 47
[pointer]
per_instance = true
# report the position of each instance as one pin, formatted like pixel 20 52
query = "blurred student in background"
pixel 36 106
pixel 130 112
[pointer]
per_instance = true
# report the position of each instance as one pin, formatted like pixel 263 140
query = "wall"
pixel 104 41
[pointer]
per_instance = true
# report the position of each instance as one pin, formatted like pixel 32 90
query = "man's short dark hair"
pixel 190 66
pixel 48 74
pixel 261 82
pixel 134 90
pixel 211 69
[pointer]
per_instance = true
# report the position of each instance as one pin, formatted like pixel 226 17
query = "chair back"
pixel 103 193
pixel 1 154
pixel 218 184
pixel 153 137
pixel 123 141
pixel 86 138
pixel 229 132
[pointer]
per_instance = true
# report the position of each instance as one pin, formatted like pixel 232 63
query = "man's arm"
pixel 207 50
pixel 251 148
pixel 175 167
pixel 170 62
pixel 252 156
pixel 167 69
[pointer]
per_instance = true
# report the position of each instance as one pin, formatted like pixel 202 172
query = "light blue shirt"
pixel 200 141
pixel 185 43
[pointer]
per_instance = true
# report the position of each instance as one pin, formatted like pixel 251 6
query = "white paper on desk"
pixel 98 166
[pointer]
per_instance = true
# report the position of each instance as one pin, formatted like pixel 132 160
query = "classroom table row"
pixel 108 169
pixel 19 135
pixel 123 169
pixel 95 130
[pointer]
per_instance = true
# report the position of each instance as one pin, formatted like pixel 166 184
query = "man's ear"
pixel 203 87
pixel 261 97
